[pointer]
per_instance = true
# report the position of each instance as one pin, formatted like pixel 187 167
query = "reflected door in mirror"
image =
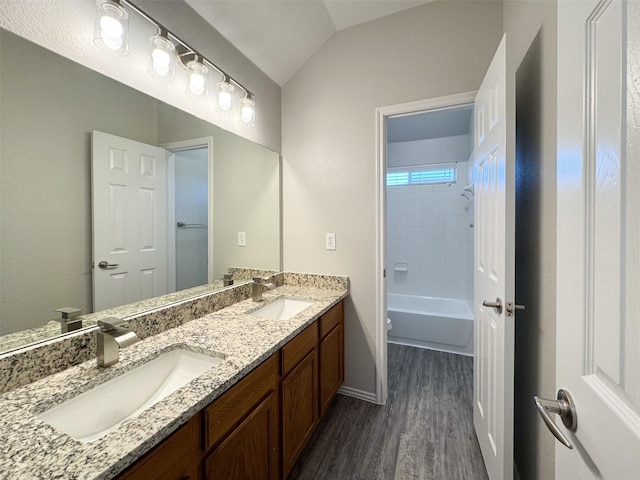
pixel 129 184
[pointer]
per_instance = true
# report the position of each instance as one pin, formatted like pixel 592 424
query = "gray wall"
pixel 49 107
pixel 531 33
pixel 328 140
pixel 246 191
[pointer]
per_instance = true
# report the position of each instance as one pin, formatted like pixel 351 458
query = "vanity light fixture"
pixel 247 111
pixel 161 54
pixel 224 95
pixel 111 33
pixel 197 78
pixel 111 29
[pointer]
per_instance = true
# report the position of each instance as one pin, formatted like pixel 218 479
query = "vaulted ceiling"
pixel 279 36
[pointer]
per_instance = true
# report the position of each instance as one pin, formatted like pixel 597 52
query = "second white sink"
pixel 94 413
pixel 282 309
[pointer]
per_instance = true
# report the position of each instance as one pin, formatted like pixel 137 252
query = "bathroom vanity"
pixel 249 416
pixel 258 428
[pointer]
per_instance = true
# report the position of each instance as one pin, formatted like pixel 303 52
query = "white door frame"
pixel 173 147
pixel 382 113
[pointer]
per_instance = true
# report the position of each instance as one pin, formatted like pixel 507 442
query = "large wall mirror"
pixel 223 191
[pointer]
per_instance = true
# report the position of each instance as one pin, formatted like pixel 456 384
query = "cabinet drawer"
pixel 230 409
pixel 329 320
pixel 297 349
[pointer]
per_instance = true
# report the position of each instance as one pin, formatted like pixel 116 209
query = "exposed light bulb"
pixel 224 100
pixel 196 83
pixel 198 78
pixel 111 27
pixel 247 114
pixel 247 111
pixel 224 96
pixel 161 56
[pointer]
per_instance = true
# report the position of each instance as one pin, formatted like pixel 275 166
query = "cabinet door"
pixel 250 452
pixel 331 366
pixel 176 458
pixel 299 391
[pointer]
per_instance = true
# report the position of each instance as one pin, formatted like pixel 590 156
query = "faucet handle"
pixel 67 313
pixel 110 323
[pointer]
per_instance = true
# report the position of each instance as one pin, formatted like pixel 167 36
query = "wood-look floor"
pixel 425 431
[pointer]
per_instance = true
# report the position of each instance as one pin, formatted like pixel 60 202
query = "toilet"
pixel 388 324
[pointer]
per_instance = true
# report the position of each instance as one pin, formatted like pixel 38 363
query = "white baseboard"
pixel 359 394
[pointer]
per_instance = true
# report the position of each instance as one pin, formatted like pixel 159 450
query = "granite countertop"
pixel 30 448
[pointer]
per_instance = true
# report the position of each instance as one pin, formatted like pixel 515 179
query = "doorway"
pixel 385 271
pixel 429 236
pixel 190 207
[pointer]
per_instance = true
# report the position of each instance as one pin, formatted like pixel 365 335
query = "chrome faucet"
pixel 227 279
pixel 259 285
pixel 69 319
pixel 110 338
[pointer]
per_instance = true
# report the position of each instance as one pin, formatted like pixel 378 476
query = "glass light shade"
pixel 161 53
pixel 111 29
pixel 197 80
pixel 247 111
pixel 224 96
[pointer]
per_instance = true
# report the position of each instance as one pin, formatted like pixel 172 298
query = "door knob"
pixel 564 407
pixel 104 265
pixel 497 304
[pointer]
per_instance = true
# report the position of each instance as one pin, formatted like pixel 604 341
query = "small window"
pixel 422 175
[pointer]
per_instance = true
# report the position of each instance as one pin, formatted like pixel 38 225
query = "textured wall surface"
pixel 328 138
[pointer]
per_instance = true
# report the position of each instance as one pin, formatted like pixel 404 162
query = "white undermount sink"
pixel 282 308
pixel 94 413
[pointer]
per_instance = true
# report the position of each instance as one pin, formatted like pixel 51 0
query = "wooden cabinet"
pixel 299 392
pixel 176 458
pixel 242 427
pixel 250 451
pixel 331 353
pixel 258 428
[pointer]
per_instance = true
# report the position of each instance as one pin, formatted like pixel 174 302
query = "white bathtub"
pixel 428 322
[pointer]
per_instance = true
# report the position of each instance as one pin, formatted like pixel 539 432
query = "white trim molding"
pixel 359 394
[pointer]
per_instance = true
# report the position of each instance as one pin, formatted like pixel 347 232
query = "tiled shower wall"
pixel 428 227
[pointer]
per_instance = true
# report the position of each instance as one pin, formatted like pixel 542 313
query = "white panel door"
pixel 598 284
pixel 494 178
pixel 129 190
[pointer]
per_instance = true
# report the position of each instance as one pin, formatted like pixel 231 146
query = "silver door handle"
pixel 564 407
pixel 497 304
pixel 104 265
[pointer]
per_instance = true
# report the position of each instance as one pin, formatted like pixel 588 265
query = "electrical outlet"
pixel 330 241
pixel 242 239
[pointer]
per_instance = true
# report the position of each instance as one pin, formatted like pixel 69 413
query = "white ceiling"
pixel 279 36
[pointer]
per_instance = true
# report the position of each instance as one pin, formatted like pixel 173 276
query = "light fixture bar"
pixel 204 59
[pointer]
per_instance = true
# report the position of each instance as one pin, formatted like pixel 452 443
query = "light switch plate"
pixel 330 241
pixel 242 239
